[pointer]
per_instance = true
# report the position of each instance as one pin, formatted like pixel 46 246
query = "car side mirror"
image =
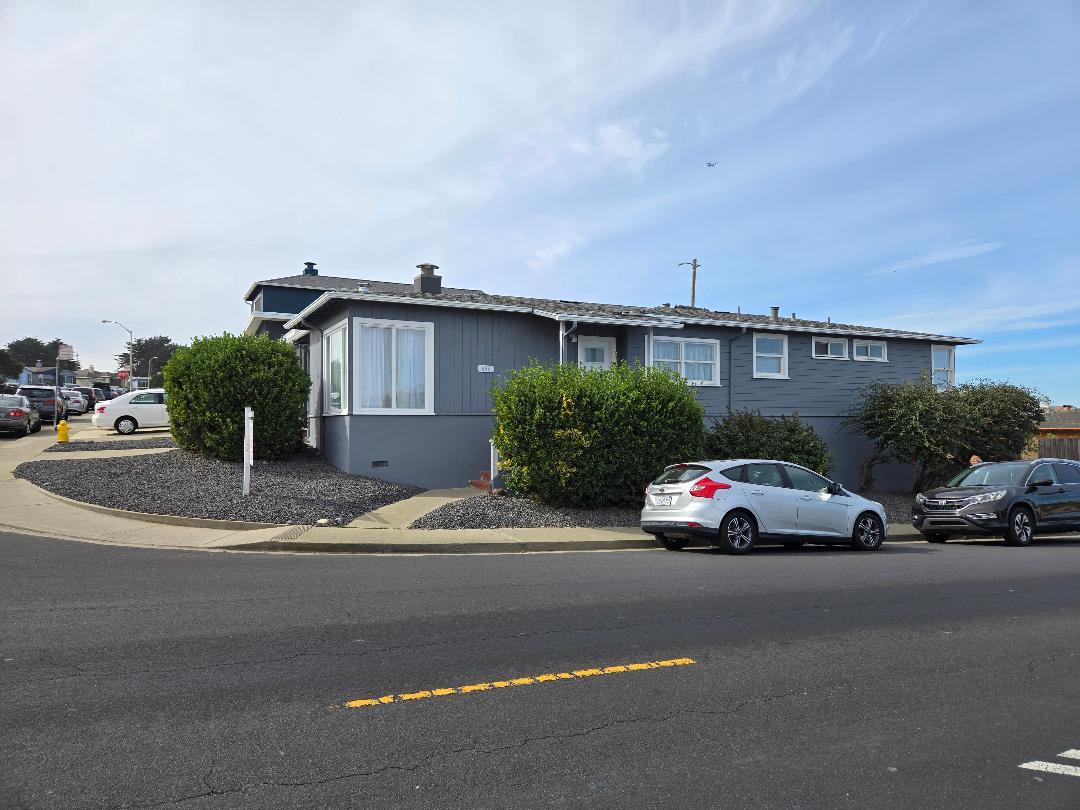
pixel 1042 482
pixel 836 488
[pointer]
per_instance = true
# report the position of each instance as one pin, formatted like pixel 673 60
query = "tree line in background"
pixel 26 352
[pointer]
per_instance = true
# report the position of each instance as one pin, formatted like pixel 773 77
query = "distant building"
pixel 1062 422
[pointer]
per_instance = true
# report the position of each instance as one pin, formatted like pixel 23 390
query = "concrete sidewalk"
pixel 26 509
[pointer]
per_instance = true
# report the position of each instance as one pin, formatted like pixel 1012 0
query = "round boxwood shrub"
pixel 209 382
pixel 748 434
pixel 571 437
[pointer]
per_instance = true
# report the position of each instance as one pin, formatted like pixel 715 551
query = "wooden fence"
pixel 1059 448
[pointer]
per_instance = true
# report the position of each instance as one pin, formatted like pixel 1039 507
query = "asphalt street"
pixel 918 676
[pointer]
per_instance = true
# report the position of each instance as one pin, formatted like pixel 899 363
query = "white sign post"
pixel 249 446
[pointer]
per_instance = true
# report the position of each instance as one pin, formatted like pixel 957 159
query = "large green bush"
pixel 209 383
pixel 572 437
pixel 938 430
pixel 748 434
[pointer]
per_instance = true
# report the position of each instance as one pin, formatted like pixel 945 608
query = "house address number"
pixel 485 369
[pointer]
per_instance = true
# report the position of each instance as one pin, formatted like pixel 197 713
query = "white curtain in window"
pixel 699 359
pixel 409 391
pixel 665 353
pixel 334 369
pixel 375 369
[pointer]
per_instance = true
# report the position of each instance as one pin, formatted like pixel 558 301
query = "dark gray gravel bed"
pixel 301 490
pixel 79 446
pixel 897 504
pixel 505 512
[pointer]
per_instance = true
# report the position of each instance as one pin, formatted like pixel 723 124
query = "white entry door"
pixel 595 352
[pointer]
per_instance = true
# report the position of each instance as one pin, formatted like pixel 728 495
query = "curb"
pixel 167 520
pixel 452 547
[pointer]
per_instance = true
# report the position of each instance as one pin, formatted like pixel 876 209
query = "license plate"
pixel 662 500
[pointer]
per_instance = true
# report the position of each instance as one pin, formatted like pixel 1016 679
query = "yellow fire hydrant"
pixel 62 431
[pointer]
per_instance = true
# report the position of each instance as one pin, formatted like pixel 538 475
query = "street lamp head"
pixel 105 320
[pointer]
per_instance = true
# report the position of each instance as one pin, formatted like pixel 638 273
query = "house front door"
pixel 595 352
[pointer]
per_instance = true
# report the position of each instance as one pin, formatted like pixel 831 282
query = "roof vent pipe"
pixel 309 269
pixel 427 282
pixel 792 316
pixel 774 313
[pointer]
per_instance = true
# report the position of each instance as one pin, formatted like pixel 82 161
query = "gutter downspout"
pixel 731 368
pixel 563 335
pixel 315 417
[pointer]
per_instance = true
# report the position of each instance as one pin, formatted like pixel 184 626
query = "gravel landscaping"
pixel 300 490
pixel 897 504
pixel 506 512
pixel 79 446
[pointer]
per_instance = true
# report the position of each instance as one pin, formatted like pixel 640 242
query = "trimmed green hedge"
pixel 748 434
pixel 571 437
pixel 209 383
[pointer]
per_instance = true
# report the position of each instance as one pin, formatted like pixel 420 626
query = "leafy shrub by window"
pixel 938 430
pixel 209 382
pixel 748 434
pixel 574 437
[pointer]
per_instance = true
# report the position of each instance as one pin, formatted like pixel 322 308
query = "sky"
pixel 906 165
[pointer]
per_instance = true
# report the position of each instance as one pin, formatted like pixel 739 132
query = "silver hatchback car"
pixel 738 503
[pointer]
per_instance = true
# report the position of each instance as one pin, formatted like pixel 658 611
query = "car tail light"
pixel 48 402
pixel 706 487
pixel 100 409
pixel 17 412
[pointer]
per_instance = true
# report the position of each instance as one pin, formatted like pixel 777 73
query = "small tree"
pixel 748 434
pixel 937 430
pixel 572 437
pixel 209 382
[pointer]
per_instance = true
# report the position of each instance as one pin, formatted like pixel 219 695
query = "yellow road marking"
pixel 526 681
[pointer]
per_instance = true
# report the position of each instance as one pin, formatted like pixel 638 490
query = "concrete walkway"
pixel 27 509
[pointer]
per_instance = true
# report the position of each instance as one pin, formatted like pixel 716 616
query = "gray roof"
pixel 1061 418
pixel 677 314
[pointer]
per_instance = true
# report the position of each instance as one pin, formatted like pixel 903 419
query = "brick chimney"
pixel 427 282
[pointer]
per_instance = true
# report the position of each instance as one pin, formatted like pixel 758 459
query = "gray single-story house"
pixel 401 373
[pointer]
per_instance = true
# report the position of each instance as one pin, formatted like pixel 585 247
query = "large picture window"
pixel 395 366
pixel 695 360
pixel 335 370
pixel 770 356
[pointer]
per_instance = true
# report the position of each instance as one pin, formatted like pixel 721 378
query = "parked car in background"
pixel 737 504
pixel 1016 500
pixel 18 416
pixel 46 399
pixel 99 395
pixel 90 395
pixel 77 403
pixel 136 409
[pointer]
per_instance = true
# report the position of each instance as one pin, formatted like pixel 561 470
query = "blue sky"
pixel 908 165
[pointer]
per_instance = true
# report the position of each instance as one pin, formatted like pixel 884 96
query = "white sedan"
pixel 128 412
pixel 77 403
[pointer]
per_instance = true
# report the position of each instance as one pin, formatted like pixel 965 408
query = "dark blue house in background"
pixel 401 373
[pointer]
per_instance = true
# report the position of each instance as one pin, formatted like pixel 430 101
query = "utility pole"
pixel 693 265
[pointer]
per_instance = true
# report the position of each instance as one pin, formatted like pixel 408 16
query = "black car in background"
pixel 1012 499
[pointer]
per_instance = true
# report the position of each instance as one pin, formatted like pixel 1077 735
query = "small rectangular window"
pixel 874 351
pixel 770 356
pixel 335 370
pixel 826 348
pixel 943 366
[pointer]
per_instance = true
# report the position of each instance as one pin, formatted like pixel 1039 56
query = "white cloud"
pixel 551 253
pixel 624 145
pixel 954 253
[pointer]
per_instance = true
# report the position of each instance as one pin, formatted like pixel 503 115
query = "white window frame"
pixel 884 351
pixel 429 366
pixel 767 375
pixel 340 326
pixel 654 363
pixel 833 339
pixel 951 381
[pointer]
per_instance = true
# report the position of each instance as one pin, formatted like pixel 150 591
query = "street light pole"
pixel 150 373
pixel 131 348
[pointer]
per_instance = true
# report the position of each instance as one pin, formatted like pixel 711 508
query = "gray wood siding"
pixel 821 387
pixel 466 338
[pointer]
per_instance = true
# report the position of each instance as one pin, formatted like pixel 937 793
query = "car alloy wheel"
pixel 1020 528
pixel 737 533
pixel 868 533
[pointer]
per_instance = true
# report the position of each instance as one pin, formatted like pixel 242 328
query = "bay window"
pixel 694 360
pixel 335 370
pixel 395 366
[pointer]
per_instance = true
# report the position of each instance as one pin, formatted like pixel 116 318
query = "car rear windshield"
pixel 681 473
pixel 37 393
pixel 1010 473
pixel 11 402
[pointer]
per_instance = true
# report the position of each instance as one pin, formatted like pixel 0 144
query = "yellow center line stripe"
pixel 527 681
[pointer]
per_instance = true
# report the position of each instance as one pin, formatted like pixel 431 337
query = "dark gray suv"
pixel 1014 499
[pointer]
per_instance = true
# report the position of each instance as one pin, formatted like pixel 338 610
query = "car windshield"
pixel 987 475
pixel 11 402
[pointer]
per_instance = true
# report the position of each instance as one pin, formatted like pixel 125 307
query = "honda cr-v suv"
pixel 735 504
pixel 1012 499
